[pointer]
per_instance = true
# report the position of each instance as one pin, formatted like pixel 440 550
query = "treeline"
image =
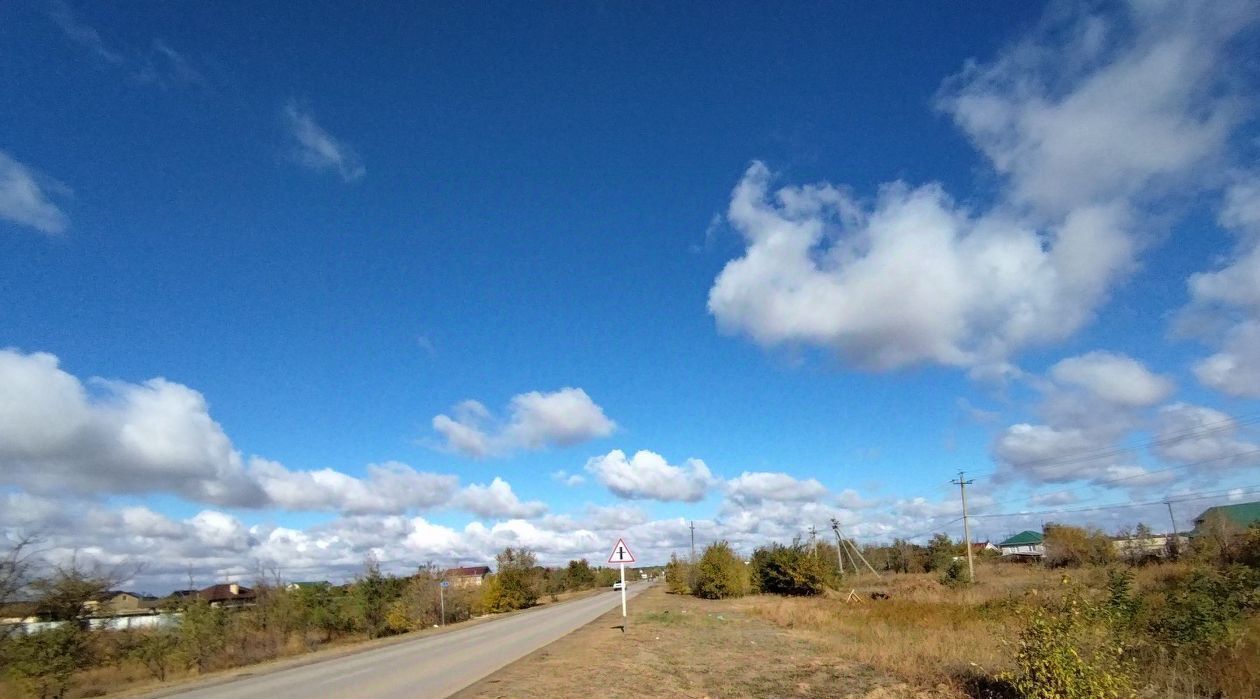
pixel 281 621
pixel 775 569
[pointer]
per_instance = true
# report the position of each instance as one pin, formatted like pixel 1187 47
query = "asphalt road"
pixel 430 666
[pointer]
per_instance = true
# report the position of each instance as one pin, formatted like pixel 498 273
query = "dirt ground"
pixel 680 646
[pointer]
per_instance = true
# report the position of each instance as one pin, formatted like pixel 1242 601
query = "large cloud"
pixel 535 420
pixel 129 438
pixel 57 436
pixel 1133 105
pixel 649 476
pixel 1115 378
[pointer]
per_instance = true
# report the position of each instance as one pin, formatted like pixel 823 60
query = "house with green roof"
pixel 1241 515
pixel 1026 544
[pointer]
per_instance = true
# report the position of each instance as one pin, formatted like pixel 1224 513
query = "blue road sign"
pixel 444 584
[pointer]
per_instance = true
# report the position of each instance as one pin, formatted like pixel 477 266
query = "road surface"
pixel 432 666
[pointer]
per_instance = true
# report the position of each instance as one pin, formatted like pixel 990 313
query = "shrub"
pixel 1199 608
pixel 677 576
pixel 44 663
pixel 1075 546
pixel 519 579
pixel 720 573
pixel 955 574
pixel 155 650
pixel 788 570
pixel 1070 651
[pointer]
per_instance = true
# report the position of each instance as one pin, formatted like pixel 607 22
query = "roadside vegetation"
pixel 70 659
pixel 1090 621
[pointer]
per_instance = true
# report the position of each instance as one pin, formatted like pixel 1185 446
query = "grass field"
pixel 678 646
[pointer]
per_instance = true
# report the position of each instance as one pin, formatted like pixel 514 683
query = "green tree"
pixel 941 551
pixel 720 573
pixel 579 575
pixel 372 596
pixel 788 570
pixel 519 578
pixel 155 650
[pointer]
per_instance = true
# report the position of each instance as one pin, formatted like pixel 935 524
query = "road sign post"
pixel 621 556
pixel 442 597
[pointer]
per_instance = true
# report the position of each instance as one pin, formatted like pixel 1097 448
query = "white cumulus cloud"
pixel 497 501
pixel 535 420
pixel 648 476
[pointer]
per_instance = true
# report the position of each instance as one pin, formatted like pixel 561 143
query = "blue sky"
pixel 814 259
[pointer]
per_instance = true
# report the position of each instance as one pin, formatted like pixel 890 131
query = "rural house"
pixel 228 595
pixel 468 576
pixel 1241 515
pixel 1024 545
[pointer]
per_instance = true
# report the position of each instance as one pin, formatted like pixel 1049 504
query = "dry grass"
pixel 679 646
pixel 925 633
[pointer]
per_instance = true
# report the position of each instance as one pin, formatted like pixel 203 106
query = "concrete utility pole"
pixel 1176 539
pixel 962 487
pixel 813 540
pixel 693 541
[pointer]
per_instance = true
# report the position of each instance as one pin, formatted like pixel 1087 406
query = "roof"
pixel 468 571
pixel 223 591
pixel 1023 538
pixel 1244 514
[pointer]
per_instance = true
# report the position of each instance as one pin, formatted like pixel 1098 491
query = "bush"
pixel 1076 546
pixel 44 663
pixel 720 573
pixel 788 570
pixel 955 574
pixel 518 578
pixel 1070 651
pixel 1199 609
pixel 677 576
pixel 579 575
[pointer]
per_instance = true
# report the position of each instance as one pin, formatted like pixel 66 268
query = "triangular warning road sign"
pixel 621 553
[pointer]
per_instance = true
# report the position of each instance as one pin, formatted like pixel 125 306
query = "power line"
pixel 1088 455
pixel 1188 497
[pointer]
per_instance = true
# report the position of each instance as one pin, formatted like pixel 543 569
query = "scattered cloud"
pixel 497 501
pixel 25 197
pixel 387 488
pixel 753 488
pixel 1192 434
pixel 535 420
pixel 318 150
pixel 647 476
pixel 1228 300
pixel 82 34
pixel 569 479
pixel 1114 378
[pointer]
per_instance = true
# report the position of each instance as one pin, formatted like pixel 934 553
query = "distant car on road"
pixel 617 585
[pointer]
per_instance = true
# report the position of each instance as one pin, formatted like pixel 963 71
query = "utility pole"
pixel 854 553
pixel 693 541
pixel 813 540
pixel 1176 539
pixel 962 487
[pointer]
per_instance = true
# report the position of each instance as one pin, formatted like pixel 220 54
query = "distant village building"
pixel 1024 545
pixel 468 576
pixel 1240 515
pixel 1136 549
pixel 228 595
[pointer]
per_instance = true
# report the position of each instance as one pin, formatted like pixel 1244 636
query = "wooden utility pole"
pixel 962 487
pixel 853 550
